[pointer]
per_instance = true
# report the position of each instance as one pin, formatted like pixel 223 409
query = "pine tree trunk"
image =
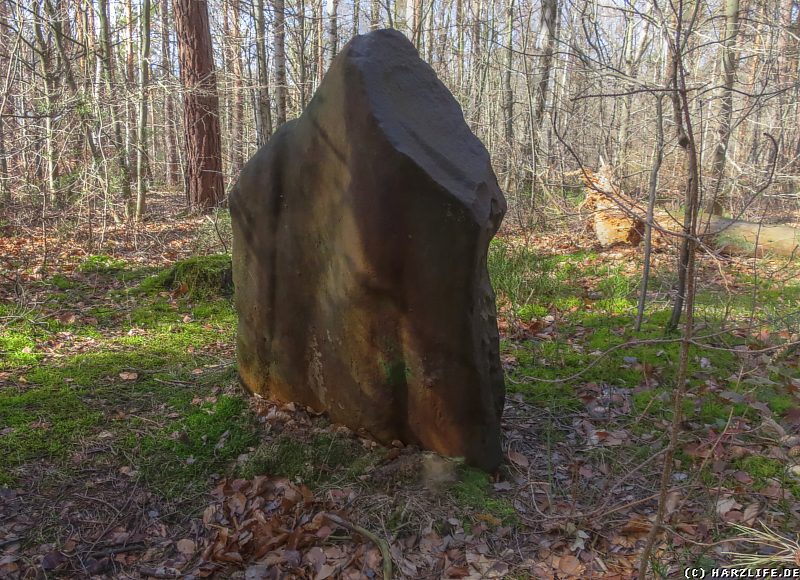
pixel 205 188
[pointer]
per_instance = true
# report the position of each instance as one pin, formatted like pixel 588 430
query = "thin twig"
pixel 382 544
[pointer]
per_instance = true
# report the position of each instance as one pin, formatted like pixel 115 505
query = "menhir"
pixel 359 258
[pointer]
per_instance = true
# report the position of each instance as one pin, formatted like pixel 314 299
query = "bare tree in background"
pixel 280 60
pixel 141 128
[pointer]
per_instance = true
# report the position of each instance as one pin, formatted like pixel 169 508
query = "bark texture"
pixel 205 187
pixel 360 239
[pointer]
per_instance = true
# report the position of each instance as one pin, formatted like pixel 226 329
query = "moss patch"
pixel 322 459
pixel 197 277
pixel 473 490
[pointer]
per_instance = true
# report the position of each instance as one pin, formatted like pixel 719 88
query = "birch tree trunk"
pixel 715 204
pixel 333 30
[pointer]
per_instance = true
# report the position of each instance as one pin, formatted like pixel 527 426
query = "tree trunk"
pixel 374 14
pixel 141 129
pixel 548 45
pixel 172 170
pixel 301 54
pixel 508 94
pixel 627 100
pixel 130 83
pixel 714 205
pixel 614 218
pixel 205 188
pixel 280 60
pixel 747 239
pixel 333 30
pixel 5 189
pixel 49 132
pixel 319 42
pixel 107 62
pixel 237 121
pixel 5 186
pixel 264 111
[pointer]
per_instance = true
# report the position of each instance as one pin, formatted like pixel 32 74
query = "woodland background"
pixel 92 108
pixel 653 414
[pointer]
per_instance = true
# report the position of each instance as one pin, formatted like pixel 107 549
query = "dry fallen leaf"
pixel 128 376
pixel 518 458
pixel 570 565
pixel 726 504
pixel 751 513
pixel 673 498
pixel 186 547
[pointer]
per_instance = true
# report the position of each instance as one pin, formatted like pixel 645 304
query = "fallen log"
pixel 615 216
pixel 746 238
pixel 619 219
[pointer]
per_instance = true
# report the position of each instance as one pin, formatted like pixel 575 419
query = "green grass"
pixel 50 406
pixel 591 304
pixel 179 458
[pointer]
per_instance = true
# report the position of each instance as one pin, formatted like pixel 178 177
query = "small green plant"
pixel 61 282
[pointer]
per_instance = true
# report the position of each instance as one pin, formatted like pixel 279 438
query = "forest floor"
pixel 128 450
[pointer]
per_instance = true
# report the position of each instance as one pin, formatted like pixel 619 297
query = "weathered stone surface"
pixel 360 238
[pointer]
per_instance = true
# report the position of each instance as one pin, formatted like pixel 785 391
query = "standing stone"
pixel 359 258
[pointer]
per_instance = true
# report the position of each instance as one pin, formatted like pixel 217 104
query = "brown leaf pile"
pixel 276 529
